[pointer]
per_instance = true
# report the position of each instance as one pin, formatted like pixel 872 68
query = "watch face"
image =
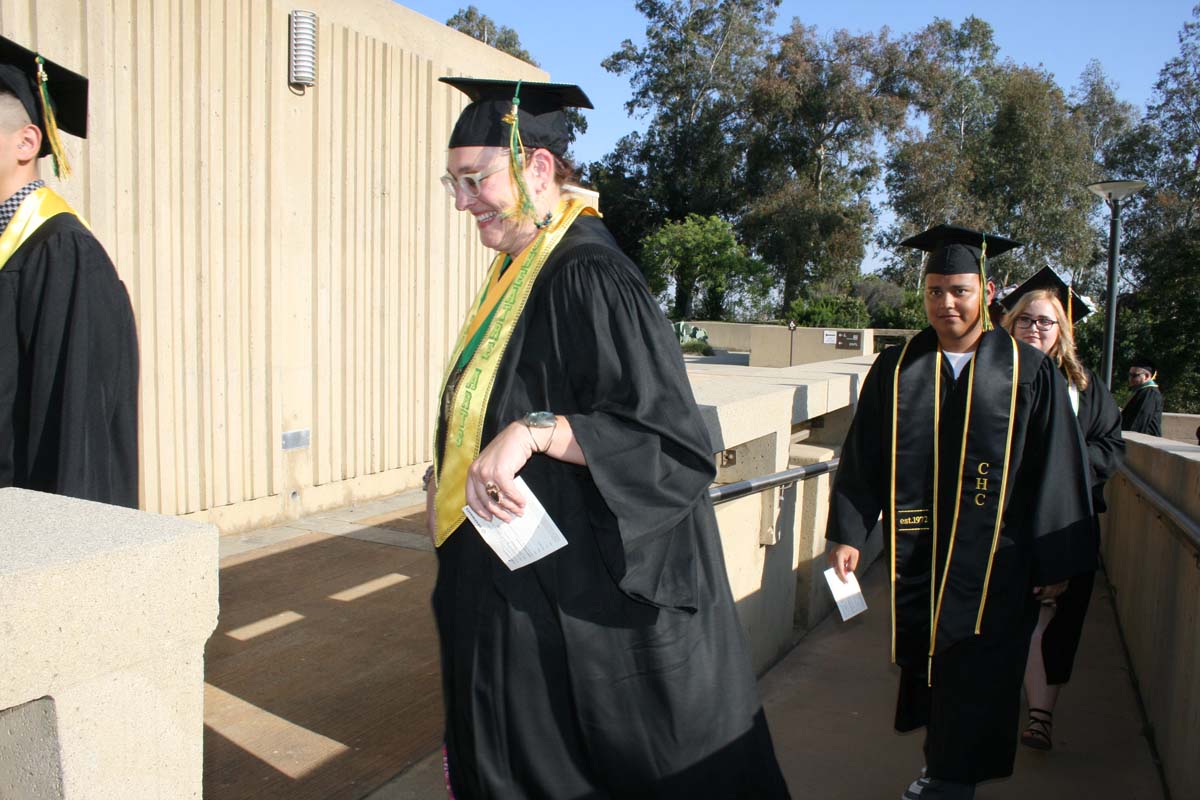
pixel 540 419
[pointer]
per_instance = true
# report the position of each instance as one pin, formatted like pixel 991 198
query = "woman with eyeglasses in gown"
pixel 1038 314
pixel 615 666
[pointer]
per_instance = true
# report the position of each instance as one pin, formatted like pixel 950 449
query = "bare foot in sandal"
pixel 1038 732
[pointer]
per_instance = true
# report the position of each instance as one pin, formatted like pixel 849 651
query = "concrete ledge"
pixel 106 611
pixel 762 420
pixel 1155 575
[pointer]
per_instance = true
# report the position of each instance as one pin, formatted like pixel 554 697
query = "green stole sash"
pixel 464 423
pixel 951 535
pixel 34 211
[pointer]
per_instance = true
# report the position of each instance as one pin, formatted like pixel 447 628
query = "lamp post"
pixel 1112 192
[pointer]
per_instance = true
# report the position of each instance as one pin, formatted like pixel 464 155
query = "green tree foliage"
pixel 929 168
pixel 817 109
pixel 479 26
pixel 830 311
pixel 1160 251
pixel 703 260
pixel 1001 149
pixel 889 305
pixel 690 77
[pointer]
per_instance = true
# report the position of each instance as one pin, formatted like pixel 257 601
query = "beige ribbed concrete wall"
pixel 1154 569
pixel 292 261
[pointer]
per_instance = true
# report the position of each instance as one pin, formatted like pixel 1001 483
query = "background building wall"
pixel 292 261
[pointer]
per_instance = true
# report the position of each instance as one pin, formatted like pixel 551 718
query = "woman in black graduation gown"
pixel 1038 316
pixel 616 665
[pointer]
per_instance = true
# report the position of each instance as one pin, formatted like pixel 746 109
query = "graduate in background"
pixel 965 440
pixel 1043 311
pixel 68 347
pixel 615 666
pixel 1143 411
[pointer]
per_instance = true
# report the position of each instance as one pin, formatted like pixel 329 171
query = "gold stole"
pixel 464 427
pixel 34 211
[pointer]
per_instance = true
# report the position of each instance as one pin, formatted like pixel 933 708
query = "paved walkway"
pixel 322 682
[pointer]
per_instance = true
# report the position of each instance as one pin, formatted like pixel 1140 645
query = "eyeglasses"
pixel 1137 373
pixel 1042 323
pixel 469 182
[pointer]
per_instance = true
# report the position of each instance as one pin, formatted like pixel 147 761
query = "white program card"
pixel 529 537
pixel 848 595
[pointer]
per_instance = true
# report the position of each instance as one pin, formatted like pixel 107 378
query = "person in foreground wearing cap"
pixel 964 439
pixel 616 665
pixel 1040 313
pixel 1143 411
pixel 68 346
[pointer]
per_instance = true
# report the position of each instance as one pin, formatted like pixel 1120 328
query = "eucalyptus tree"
pixel 817 110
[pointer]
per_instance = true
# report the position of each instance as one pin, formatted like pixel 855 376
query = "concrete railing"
pixel 764 420
pixel 1152 556
pixel 104 616
pixel 1181 427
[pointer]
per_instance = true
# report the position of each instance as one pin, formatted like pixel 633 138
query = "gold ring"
pixel 493 491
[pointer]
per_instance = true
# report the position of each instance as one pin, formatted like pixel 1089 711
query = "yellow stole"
pixel 506 294
pixel 34 211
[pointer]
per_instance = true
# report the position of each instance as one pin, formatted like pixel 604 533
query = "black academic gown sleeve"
pixel 1053 483
pixel 71 427
pixel 1143 412
pixel 646 446
pixel 1100 422
pixel 861 475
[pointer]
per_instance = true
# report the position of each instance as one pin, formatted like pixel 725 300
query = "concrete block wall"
pixel 763 420
pixel 1154 568
pixel 105 614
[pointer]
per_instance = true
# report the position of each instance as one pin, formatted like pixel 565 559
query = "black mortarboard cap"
pixel 68 90
pixel 954 250
pixel 1047 278
pixel 541 119
pixel 1141 362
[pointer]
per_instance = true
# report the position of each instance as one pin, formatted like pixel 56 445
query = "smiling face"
pixel 952 305
pixel 1038 311
pixel 500 227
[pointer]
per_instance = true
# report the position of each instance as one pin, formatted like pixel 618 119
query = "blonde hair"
pixel 1063 350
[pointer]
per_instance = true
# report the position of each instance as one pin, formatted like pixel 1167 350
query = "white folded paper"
pixel 529 537
pixel 848 595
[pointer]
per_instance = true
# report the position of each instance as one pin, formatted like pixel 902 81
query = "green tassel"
pixel 516 158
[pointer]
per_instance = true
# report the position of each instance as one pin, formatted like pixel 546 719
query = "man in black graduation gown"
pixel 68 347
pixel 965 441
pixel 1143 411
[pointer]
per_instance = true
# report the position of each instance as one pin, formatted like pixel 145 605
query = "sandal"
pixel 1037 733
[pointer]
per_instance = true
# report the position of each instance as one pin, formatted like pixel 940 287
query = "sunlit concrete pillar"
pixel 105 614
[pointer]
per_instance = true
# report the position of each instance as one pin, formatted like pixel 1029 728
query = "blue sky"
pixel 1131 39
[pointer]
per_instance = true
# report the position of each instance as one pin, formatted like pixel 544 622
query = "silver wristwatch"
pixel 540 419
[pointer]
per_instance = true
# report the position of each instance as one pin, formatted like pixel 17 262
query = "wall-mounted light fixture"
pixel 302 48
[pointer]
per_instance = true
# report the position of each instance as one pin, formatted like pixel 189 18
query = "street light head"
pixel 1115 190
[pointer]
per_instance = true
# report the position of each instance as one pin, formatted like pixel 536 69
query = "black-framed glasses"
pixel 1042 323
pixel 469 182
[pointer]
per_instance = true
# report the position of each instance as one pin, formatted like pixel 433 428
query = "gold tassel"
pixel 62 169
pixel 983 303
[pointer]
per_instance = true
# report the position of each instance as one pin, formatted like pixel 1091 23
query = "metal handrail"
pixel 1188 530
pixel 732 491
